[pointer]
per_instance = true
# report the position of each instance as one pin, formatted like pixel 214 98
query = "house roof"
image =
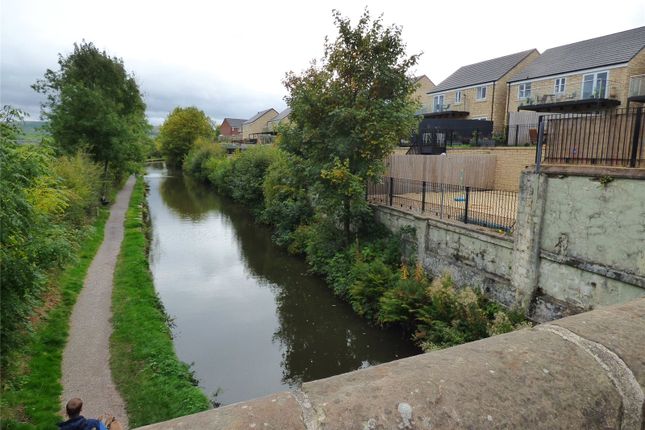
pixel 481 73
pixel 602 51
pixel 282 115
pixel 235 122
pixel 258 115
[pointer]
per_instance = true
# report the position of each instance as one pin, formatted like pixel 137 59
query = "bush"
pixel 286 204
pixel 247 176
pixel 81 178
pixel 196 162
pixel 371 279
pixel 450 317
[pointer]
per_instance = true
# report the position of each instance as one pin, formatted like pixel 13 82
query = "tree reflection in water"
pixel 318 335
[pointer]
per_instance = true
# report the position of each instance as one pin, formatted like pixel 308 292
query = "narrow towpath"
pixel 86 359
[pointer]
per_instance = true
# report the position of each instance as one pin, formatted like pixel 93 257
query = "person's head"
pixel 74 407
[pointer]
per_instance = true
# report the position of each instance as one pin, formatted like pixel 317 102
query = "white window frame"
pixel 458 96
pixel 594 83
pixel 560 85
pixel 524 90
pixel 435 103
pixel 478 92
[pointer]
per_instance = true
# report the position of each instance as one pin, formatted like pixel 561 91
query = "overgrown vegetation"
pixel 31 372
pixel 347 113
pixel 154 383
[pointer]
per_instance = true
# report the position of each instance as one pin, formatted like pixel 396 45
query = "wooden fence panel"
pixel 467 170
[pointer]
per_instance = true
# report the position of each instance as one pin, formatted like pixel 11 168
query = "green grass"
pixel 156 386
pixel 32 399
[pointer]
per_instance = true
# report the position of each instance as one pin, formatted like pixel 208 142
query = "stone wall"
pixel 582 372
pixel 577 244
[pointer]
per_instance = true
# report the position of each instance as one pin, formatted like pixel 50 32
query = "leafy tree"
pixel 347 114
pixel 94 104
pixel 180 131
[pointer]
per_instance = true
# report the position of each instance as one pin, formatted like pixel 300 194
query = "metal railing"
pixel 493 209
pixel 606 138
pixel 598 89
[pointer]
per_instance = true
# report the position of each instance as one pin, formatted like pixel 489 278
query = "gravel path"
pixel 86 359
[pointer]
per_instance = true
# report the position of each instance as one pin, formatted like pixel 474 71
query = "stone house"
pixel 424 85
pixel 592 75
pixel 479 91
pixel 257 124
pixel 281 118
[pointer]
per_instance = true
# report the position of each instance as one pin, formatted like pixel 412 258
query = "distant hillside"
pixel 30 127
pixel 34 132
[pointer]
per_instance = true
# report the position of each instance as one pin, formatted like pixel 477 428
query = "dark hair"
pixel 74 407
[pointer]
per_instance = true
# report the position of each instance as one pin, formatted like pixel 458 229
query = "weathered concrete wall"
pixel 592 241
pixel 471 255
pixel 576 244
pixel 586 371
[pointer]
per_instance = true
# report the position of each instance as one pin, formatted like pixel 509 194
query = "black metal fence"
pixel 494 209
pixel 607 138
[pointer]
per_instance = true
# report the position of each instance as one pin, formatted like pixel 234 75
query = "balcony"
pixel 637 88
pixel 444 111
pixel 593 96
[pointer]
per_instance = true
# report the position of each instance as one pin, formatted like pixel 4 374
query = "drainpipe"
pixel 492 105
pixel 508 99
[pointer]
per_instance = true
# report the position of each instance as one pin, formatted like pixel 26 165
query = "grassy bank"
pixel 31 397
pixel 156 386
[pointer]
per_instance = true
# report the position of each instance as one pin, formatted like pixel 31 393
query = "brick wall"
pixel 510 163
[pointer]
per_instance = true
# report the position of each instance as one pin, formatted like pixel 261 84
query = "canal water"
pixel 246 314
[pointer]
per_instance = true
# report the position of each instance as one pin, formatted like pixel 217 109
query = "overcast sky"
pixel 229 58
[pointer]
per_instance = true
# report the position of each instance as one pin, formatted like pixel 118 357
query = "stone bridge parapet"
pixel 585 371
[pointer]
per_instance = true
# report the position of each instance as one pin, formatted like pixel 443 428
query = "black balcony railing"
pixel 605 138
pixel 493 209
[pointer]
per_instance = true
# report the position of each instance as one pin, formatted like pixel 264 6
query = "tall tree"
pixel 94 104
pixel 348 112
pixel 180 130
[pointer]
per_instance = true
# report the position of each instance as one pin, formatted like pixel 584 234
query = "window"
pixel 594 85
pixel 438 103
pixel 457 96
pixel 524 91
pixel 559 85
pixel 481 93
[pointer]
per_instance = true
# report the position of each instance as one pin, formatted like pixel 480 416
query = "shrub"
pixel 247 175
pixel 195 163
pixel 401 303
pixel 82 180
pixel 371 279
pixel 450 317
pixel 286 204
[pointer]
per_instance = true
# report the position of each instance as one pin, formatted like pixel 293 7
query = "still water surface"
pixel 246 314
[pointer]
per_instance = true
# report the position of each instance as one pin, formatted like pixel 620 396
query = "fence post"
pixel 635 136
pixel 517 131
pixel 441 205
pixel 391 189
pixel 466 205
pixel 538 152
pixel 423 197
